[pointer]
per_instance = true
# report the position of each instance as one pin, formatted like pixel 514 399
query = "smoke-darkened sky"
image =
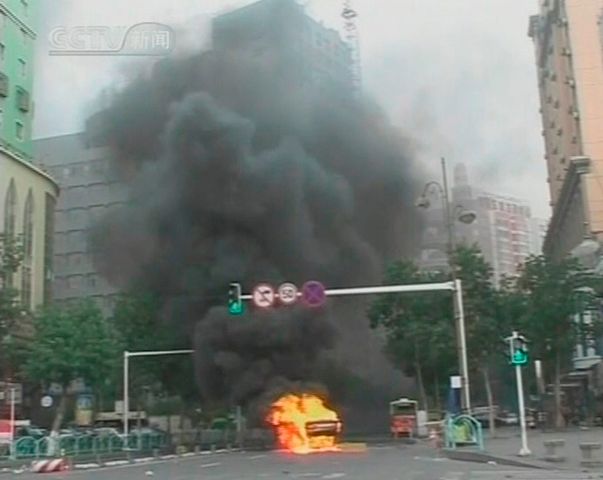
pixel 458 76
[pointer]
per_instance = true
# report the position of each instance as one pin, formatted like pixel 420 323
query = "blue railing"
pixel 76 445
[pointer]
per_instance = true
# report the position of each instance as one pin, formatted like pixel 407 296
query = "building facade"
pixel 89 190
pixel 503 229
pixel 288 42
pixel 569 60
pixel 27 201
pixel 17 43
pixel 27 193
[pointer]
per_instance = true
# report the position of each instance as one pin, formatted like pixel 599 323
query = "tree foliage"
pixel 419 327
pixel 138 320
pixel 11 256
pixel 74 342
pixel 552 293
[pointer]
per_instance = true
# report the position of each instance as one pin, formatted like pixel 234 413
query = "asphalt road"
pixel 377 463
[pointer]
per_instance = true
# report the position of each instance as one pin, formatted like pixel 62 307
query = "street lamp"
pixel 465 216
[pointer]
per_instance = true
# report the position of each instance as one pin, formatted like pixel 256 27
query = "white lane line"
pixel 209 465
pixel 116 463
pixel 255 457
pixel 334 475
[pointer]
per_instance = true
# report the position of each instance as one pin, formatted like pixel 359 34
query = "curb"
pixel 25 466
pixel 485 457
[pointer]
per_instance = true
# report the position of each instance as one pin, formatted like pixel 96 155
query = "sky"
pixel 456 76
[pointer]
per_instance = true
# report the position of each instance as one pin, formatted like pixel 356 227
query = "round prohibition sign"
pixel 287 293
pixel 263 295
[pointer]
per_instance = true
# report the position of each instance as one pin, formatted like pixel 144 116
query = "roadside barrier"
pixel 551 448
pixel 51 465
pixel 588 454
pixel 464 430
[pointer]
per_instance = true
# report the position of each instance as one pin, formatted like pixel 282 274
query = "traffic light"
pixel 518 350
pixel 235 304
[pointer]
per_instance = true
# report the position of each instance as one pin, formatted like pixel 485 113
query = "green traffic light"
pixel 235 308
pixel 520 357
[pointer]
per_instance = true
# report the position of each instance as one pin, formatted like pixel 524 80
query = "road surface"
pixel 377 463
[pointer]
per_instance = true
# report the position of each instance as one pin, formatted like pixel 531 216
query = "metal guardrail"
pixel 76 445
pixel 108 444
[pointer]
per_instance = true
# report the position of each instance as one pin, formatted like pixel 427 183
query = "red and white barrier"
pixel 47 466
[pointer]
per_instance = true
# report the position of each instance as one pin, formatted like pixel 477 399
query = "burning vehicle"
pixel 304 424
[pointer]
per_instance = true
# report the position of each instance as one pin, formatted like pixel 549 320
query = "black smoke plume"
pixel 240 174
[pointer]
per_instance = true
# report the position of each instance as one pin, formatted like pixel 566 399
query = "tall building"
pixel 504 229
pixel 89 190
pixel 27 194
pixel 17 39
pixel 290 43
pixel 569 59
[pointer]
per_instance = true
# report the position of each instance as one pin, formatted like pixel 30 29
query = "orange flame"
pixel 303 424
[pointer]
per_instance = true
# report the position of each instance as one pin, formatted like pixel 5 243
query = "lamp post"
pixel 465 216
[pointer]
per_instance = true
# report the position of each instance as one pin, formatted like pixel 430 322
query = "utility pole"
pixel 126 398
pixel 12 421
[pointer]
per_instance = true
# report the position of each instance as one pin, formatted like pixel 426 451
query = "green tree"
pixel 11 255
pixel 484 324
pixel 553 292
pixel 139 322
pixel 419 327
pixel 70 343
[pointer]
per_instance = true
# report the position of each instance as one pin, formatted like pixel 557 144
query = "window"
pixel 22 67
pixel 2 51
pixel 91 280
pixel 3 85
pixel 10 211
pixel 28 239
pixel 19 130
pixel 22 99
pixel 50 208
pixel 1 118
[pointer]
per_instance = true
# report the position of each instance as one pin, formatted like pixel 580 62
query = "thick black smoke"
pixel 238 174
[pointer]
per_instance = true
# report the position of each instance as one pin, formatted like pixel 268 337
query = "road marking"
pixel 431 459
pixel 334 475
pixel 208 465
pixel 529 475
pixel 255 457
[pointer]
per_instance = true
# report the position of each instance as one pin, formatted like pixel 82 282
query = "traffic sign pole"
pixel 524 451
pixel 514 342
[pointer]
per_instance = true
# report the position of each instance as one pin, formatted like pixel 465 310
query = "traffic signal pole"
pixel 455 287
pixel 524 451
pixel 518 357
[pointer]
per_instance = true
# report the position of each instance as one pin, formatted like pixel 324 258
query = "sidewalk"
pixel 505 447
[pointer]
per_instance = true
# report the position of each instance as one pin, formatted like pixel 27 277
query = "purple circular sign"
pixel 313 293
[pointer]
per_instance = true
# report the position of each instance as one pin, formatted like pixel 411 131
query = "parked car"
pixel 105 431
pixel 507 419
pixel 31 431
pixel 148 431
